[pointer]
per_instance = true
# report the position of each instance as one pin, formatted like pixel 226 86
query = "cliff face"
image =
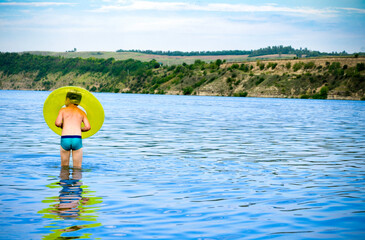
pixel 324 78
pixel 337 78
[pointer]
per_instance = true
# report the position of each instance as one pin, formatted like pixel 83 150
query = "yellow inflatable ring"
pixel 56 100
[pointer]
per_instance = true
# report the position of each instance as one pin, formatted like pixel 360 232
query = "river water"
pixel 187 167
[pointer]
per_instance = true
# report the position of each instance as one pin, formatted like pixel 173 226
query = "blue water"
pixel 187 167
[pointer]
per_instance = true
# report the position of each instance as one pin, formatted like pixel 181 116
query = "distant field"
pixel 166 60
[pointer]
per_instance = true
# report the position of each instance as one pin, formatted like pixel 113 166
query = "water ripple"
pixel 174 167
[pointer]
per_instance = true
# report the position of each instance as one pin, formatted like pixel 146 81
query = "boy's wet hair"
pixel 75 97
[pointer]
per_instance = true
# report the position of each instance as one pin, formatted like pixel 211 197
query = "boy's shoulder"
pixel 69 109
pixel 80 111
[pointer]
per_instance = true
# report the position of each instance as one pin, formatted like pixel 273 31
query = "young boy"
pixel 70 119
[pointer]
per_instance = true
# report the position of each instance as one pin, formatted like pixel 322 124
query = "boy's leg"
pixel 76 174
pixel 77 158
pixel 65 157
pixel 65 173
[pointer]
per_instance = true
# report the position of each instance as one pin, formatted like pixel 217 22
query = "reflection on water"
pixel 57 234
pixel 71 194
pixel 73 203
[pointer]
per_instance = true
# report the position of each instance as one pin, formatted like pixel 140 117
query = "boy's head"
pixel 73 97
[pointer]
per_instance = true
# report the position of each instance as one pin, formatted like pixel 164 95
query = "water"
pixel 187 167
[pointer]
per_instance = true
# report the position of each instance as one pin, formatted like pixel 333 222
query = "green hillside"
pixel 332 78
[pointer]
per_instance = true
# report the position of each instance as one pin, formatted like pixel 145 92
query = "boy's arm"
pixel 59 119
pixel 87 126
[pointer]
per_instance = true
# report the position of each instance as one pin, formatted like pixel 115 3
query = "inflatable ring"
pixel 56 100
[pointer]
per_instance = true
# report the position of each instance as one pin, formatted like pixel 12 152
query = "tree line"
pixel 14 63
pixel 251 53
pixel 192 53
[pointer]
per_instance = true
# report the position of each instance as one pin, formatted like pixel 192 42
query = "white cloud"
pixel 211 7
pixel 145 5
pixel 357 10
pixel 266 8
pixel 36 4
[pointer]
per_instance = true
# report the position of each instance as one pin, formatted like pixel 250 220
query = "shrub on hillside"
pixel 240 94
pixel 323 93
pixel 188 90
pixel 244 67
pixel 258 82
pixel 334 66
pixel 360 67
pixel 288 65
pixel 305 96
pixel 235 66
pixel 271 65
pixel 262 66
pixel 309 65
pixel 297 66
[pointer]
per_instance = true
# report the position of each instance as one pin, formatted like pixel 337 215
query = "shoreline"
pixel 330 97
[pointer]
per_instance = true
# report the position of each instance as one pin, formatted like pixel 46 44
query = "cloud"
pixel 223 7
pixel 211 7
pixel 35 4
pixel 145 5
pixel 357 10
pixel 181 25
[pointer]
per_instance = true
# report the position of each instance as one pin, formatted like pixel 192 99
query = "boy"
pixel 70 119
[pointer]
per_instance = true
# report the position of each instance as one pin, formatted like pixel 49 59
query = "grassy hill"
pixel 324 78
pixel 165 60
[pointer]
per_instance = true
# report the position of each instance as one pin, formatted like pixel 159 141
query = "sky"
pixel 181 25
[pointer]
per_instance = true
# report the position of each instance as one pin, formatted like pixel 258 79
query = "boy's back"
pixel 72 117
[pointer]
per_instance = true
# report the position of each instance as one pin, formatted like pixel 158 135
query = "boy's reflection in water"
pixel 71 193
pixel 71 203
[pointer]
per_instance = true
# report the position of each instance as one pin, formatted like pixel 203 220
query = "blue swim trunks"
pixel 71 142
